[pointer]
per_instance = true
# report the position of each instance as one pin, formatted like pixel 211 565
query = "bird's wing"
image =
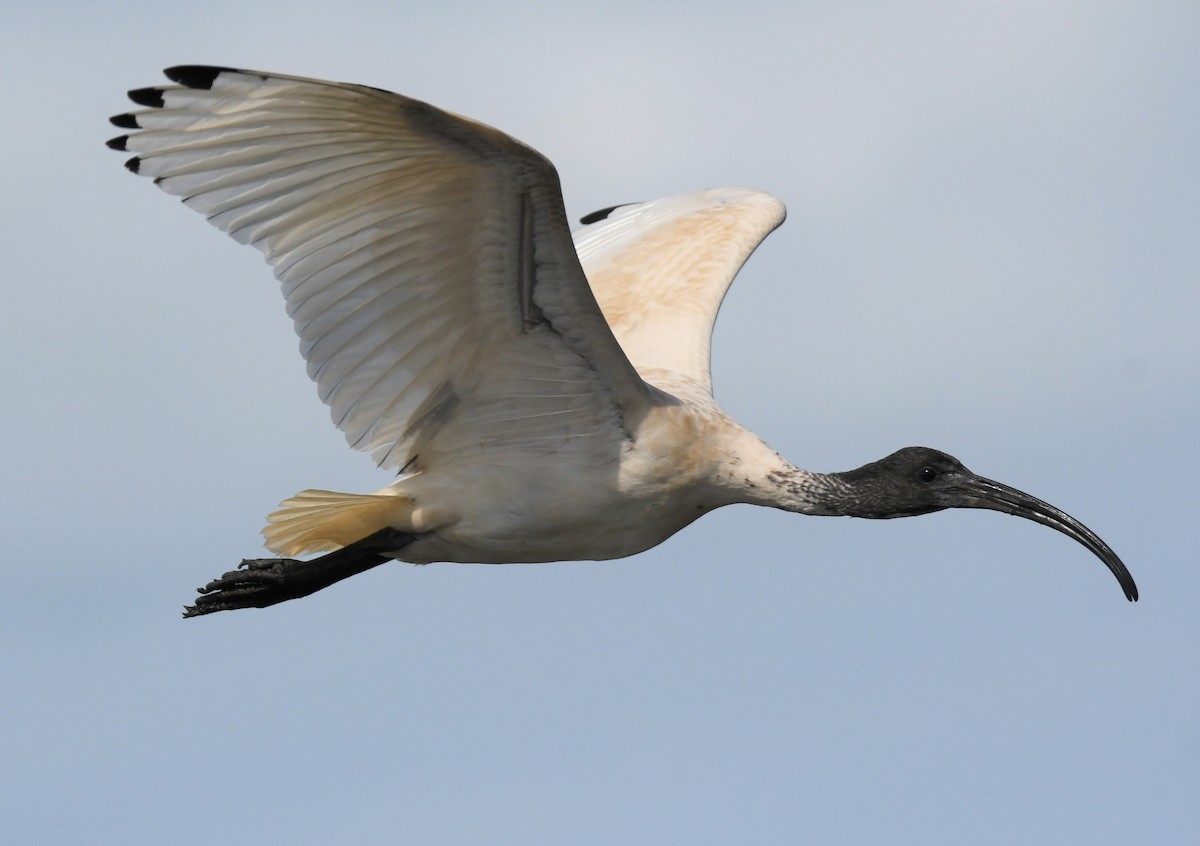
pixel 425 259
pixel 660 270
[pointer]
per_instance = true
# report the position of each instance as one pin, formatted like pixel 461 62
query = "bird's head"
pixel 920 480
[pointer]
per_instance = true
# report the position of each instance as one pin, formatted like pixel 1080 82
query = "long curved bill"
pixel 979 492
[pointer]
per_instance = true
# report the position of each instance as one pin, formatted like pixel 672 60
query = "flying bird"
pixel 542 395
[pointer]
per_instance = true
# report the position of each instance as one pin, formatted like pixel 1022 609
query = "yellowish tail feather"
pixel 322 521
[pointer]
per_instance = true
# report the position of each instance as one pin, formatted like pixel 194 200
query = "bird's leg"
pixel 260 582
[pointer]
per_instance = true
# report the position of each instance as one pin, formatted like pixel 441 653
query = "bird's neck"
pixel 762 477
pixel 806 492
pixel 851 493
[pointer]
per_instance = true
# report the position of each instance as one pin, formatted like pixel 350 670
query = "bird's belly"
pixel 585 522
pixel 588 506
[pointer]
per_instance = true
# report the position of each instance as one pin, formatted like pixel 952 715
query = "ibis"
pixel 540 394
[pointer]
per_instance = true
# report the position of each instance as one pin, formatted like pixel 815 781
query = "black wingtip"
pixel 152 97
pixel 134 164
pixel 117 143
pixel 125 121
pixel 196 76
pixel 600 214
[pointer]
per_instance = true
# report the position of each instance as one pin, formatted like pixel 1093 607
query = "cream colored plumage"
pixel 446 315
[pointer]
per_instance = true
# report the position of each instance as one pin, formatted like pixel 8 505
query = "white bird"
pixel 541 398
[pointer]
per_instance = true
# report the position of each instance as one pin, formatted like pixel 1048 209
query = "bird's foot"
pixel 259 582
pixel 256 583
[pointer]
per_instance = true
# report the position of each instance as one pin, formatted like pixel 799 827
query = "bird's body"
pixel 541 398
pixel 679 460
pixel 663 478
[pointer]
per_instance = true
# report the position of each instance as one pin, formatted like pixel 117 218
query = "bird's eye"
pixel 926 474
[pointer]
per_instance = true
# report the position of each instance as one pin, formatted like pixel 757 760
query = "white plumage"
pixel 541 397
pixel 442 307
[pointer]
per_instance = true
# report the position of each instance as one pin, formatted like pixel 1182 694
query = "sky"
pixel 991 249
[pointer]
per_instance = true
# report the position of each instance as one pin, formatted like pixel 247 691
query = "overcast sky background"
pixel 992 248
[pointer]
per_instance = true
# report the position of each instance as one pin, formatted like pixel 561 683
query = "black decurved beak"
pixel 978 492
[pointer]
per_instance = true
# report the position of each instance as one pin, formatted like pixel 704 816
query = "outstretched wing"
pixel 660 270
pixel 425 259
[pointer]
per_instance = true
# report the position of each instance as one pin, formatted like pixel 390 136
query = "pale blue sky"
pixel 992 249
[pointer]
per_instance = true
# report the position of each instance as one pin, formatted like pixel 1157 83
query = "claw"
pixel 256 583
pixel 259 582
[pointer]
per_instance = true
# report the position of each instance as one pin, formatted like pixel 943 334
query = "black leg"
pixel 260 582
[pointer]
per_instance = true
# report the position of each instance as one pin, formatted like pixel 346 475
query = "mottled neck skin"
pixel 760 476
pixel 805 492
pixel 870 491
pixel 728 463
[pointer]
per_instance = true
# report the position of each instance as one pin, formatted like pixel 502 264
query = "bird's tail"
pixel 322 521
